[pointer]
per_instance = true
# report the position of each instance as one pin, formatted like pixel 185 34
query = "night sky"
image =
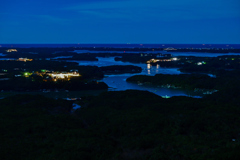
pixel 120 21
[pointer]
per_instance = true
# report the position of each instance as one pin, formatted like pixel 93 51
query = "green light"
pixel 166 96
pixel 43 70
pixel 27 74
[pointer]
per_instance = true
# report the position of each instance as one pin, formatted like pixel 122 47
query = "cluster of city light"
pixel 24 59
pixel 201 63
pixel 169 49
pixel 162 60
pixel 11 50
pixel 26 74
pixel 166 96
pixel 63 75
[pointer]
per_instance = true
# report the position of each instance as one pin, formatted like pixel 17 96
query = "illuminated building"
pixel 63 75
pixel 24 59
pixel 166 96
pixel 162 60
pixel 11 50
pixel 201 63
pixel 169 49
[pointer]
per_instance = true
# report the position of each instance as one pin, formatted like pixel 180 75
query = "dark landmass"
pixel 201 83
pixel 11 68
pixel 36 76
pixel 35 65
pixel 187 81
pixel 213 65
pixel 82 57
pixel 44 50
pixel 37 54
pixel 135 58
pixel 192 64
pixel 39 83
pixel 207 50
pixel 40 50
pixel 120 125
pixel 119 49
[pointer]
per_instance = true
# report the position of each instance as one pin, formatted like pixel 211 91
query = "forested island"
pixel 130 124
pixel 187 81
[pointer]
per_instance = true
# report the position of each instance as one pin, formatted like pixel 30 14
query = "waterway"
pixel 117 82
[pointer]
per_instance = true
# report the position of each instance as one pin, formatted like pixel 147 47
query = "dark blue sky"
pixel 120 21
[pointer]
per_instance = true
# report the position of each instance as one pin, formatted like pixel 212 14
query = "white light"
pixel 148 66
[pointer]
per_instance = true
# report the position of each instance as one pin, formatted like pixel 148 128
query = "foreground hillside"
pixel 120 125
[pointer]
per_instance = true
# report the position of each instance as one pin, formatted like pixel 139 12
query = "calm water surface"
pixel 118 82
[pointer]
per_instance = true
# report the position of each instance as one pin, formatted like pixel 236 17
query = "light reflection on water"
pixel 12 59
pixel 118 82
pixel 75 106
pixel 1 54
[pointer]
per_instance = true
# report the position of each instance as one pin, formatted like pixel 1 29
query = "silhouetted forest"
pixel 131 124
pixel 119 125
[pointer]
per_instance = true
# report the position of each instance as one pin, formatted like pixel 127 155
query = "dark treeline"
pixel 118 49
pixel 36 65
pixel 32 76
pixel 187 81
pixel 207 50
pixel 120 125
pixel 82 57
pixel 135 58
pixel 192 64
pixel 13 68
pixel 37 55
pixel 40 50
pixel 213 65
pixel 37 83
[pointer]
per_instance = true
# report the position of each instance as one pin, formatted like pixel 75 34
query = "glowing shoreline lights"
pixel 11 50
pixel 63 75
pixel 162 60
pixel 24 59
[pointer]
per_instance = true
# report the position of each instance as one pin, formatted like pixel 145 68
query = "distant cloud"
pixel 164 10
pixel 51 18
